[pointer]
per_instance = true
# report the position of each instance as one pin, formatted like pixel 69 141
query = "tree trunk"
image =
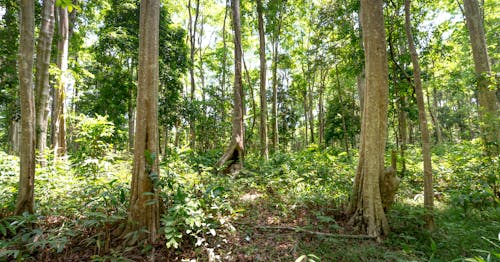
pixel 131 120
pixel 59 125
pixel 192 41
pixel 42 87
pixel 321 109
pixel 275 87
pixel 403 131
pixel 234 155
pixel 439 132
pixel 144 199
pixel 424 131
pixel 310 105
pixel 264 153
pixel 25 197
pixel 486 97
pixel 366 206
pixel 343 113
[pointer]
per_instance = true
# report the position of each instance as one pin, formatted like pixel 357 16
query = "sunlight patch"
pixel 250 197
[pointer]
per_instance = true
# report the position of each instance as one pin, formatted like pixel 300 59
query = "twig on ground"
pixel 298 229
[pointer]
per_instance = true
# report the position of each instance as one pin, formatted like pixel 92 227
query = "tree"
pixel 424 130
pixel 25 196
pixel 144 205
pixel 263 101
pixel 366 204
pixel 276 31
pixel 58 113
pixel 192 49
pixel 487 99
pixel 42 87
pixel 234 154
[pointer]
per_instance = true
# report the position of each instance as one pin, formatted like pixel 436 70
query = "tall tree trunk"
pixel 403 131
pixel 235 153
pixel 252 100
pixel 192 41
pixel 42 87
pixel 25 197
pixel 310 105
pixel 343 113
pixel 264 153
pixel 144 199
pixel 424 131
pixel 223 75
pixel 59 125
pixel 366 204
pixel 321 109
pixel 488 104
pixel 131 120
pixel 439 131
pixel 433 113
pixel 275 86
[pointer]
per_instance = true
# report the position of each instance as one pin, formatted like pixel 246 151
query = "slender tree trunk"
pixel 42 87
pixel 252 100
pixel 344 126
pixel 59 125
pixel 235 153
pixel 432 113
pixel 424 131
pixel 321 110
pixel 192 40
pixel 25 197
pixel 488 104
pixel 223 75
pixel 144 199
pixel 275 87
pixel 131 120
pixel 306 118
pixel 264 153
pixel 436 115
pixel 366 205
pixel 310 105
pixel 403 131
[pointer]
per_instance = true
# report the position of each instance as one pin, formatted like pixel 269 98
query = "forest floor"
pixel 290 208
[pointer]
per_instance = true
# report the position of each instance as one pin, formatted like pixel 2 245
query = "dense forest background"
pixel 267 130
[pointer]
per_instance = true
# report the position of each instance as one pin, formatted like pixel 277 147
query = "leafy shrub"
pixel 9 175
pixel 92 138
pixel 195 210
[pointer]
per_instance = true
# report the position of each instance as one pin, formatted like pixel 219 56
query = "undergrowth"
pixel 262 214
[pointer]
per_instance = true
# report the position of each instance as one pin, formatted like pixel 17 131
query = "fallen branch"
pixel 298 229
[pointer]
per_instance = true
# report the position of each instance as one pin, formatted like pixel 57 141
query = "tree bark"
pixel 424 131
pixel 42 87
pixel 25 196
pixel 144 198
pixel 264 152
pixel 488 104
pixel 58 119
pixel 234 155
pixel 366 205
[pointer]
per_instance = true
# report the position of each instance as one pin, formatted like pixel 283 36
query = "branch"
pixel 298 229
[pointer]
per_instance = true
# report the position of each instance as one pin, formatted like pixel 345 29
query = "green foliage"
pixel 92 138
pixel 9 172
pixel 197 206
pixel 339 116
